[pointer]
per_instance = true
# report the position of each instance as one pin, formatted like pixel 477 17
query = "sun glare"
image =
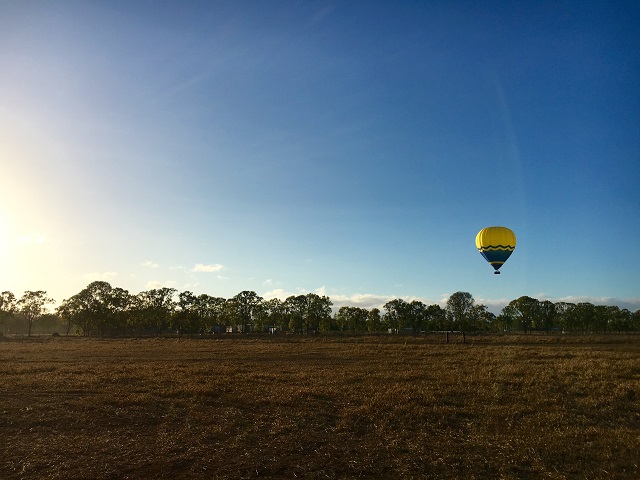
pixel 4 235
pixel 5 254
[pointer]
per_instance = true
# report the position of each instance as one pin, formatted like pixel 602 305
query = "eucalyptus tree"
pixel 353 319
pixel 374 320
pixel 186 317
pixel 601 319
pixel 295 309
pixel 435 318
pixel 507 318
pixel 341 318
pixel 33 305
pixel 69 311
pixel 318 312
pixel 244 308
pixel 482 318
pixel 546 315
pixel 48 323
pixel 211 310
pixel 97 308
pixel 196 314
pixel 308 313
pixel 460 310
pixel 275 313
pixel 119 304
pixel 526 311
pixel 565 317
pixel 397 315
pixel 620 319
pixel 96 301
pixel 154 309
pixel 585 315
pixel 634 321
pixel 260 318
pixel 8 306
pixel 359 319
pixel 416 316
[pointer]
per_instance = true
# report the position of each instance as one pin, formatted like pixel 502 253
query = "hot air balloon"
pixel 496 244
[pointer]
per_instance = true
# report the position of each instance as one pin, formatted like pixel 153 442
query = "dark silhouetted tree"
pixel 460 310
pixel 33 305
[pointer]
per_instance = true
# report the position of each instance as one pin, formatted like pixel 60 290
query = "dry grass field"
pixel 231 407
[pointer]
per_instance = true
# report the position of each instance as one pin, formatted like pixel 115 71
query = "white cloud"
pixel 578 299
pixel 277 293
pixel 371 300
pixel 493 305
pixel 150 264
pixel 95 276
pixel 322 291
pixel 216 267
pixel 155 284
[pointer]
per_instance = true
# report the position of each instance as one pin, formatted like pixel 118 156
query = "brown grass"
pixel 355 407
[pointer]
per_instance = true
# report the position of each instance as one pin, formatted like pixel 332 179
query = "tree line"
pixel 103 310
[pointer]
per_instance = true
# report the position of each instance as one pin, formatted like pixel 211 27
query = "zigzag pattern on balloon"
pixel 497 247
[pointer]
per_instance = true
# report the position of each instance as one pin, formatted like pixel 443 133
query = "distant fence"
pixel 453 332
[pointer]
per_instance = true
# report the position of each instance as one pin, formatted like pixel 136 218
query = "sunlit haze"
pixel 352 149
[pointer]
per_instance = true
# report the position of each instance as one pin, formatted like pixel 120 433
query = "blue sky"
pixel 352 149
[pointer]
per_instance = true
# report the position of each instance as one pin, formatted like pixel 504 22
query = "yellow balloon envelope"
pixel 496 244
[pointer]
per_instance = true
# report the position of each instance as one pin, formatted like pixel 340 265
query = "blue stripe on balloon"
pixel 496 256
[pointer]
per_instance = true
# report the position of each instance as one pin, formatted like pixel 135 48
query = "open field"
pixel 230 407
